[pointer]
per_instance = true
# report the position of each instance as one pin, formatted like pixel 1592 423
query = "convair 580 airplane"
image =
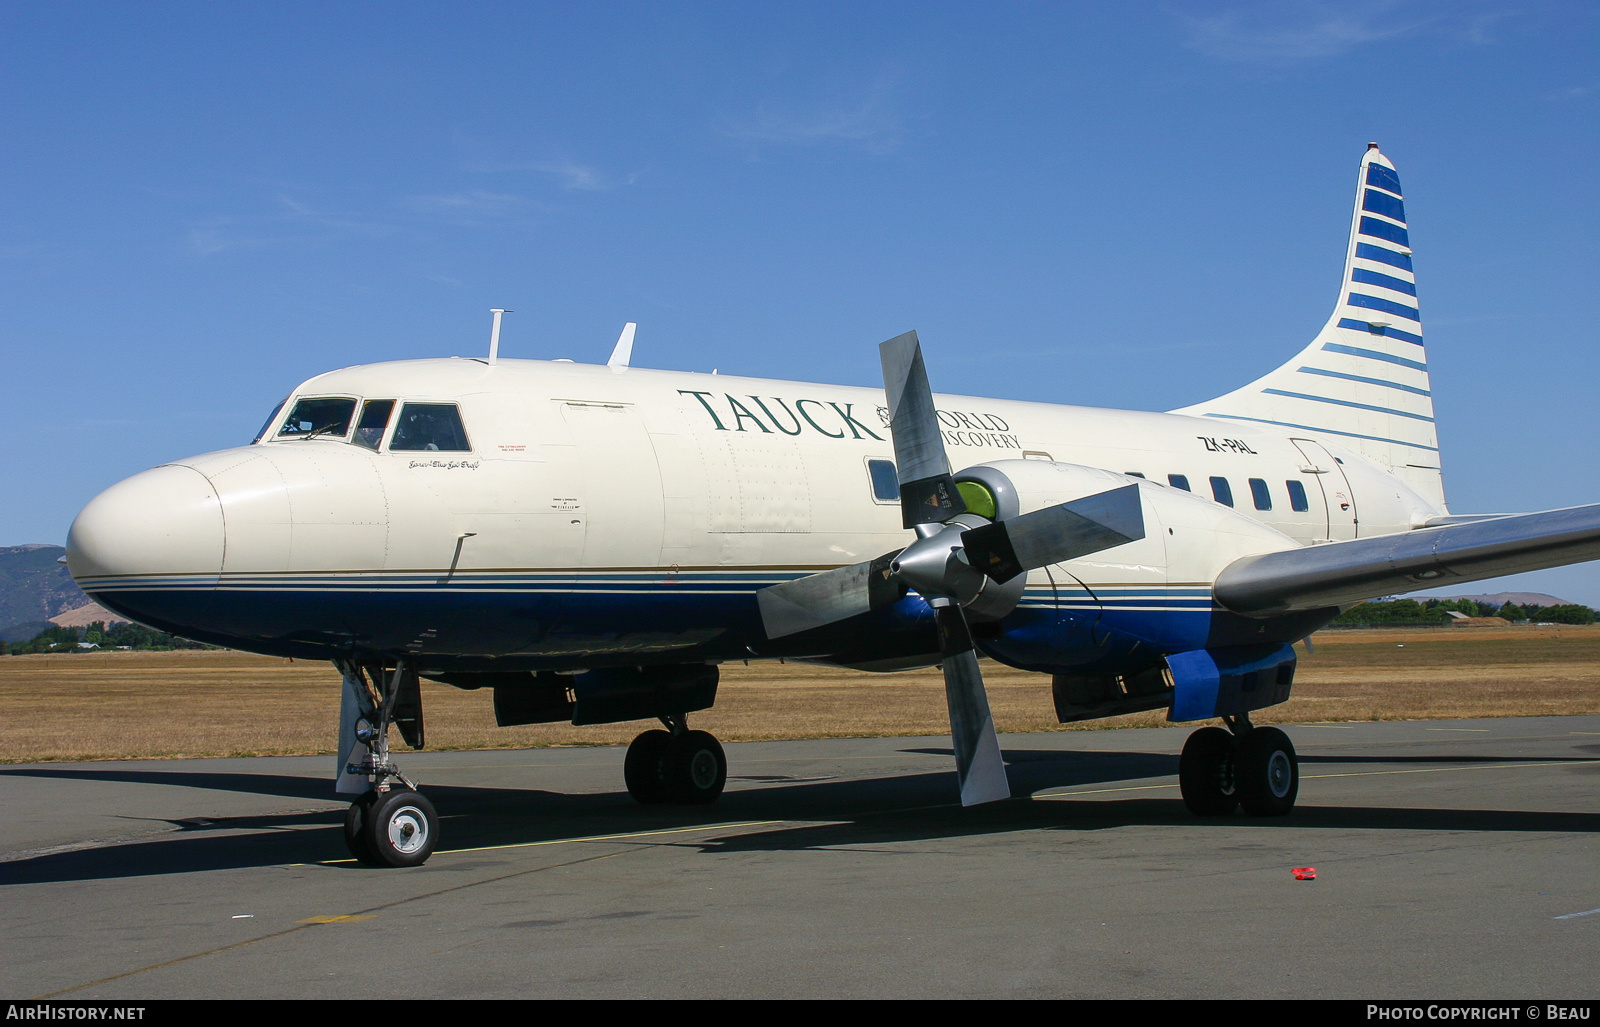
pixel 590 542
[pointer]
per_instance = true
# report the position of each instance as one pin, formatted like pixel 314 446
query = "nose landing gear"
pixel 676 765
pixel 1254 768
pixel 390 824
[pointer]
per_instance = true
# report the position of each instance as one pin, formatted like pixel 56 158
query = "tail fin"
pixel 1363 381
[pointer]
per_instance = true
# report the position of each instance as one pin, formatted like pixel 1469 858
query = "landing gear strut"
pixel 1253 767
pixel 676 765
pixel 390 824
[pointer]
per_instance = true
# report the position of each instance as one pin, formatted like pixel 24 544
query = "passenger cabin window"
pixel 1221 492
pixel 429 427
pixel 325 418
pixel 885 481
pixel 271 420
pixel 374 418
pixel 1297 497
pixel 1258 492
pixel 1133 474
pixel 1179 481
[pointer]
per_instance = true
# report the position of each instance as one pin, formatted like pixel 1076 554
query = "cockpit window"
pixel 271 420
pixel 429 426
pixel 374 418
pixel 326 418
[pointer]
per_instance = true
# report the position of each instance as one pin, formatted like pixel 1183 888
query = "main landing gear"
pixel 676 765
pixel 1251 767
pixel 390 824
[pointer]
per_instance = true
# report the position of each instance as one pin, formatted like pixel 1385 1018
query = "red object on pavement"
pixel 1304 873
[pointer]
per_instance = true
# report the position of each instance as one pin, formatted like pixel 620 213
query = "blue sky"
pixel 1132 205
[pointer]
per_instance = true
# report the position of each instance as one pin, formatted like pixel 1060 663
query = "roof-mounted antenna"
pixel 494 333
pixel 623 351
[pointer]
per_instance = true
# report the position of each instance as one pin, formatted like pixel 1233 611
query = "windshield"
pixel 374 418
pixel 272 419
pixel 429 426
pixel 323 418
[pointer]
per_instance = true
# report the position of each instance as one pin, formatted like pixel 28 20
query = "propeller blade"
pixel 927 492
pixel 1057 533
pixel 817 600
pixel 980 768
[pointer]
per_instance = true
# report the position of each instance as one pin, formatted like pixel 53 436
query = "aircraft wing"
pixel 1341 573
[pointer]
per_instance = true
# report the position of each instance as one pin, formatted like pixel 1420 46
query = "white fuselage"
pixel 583 466
pixel 606 514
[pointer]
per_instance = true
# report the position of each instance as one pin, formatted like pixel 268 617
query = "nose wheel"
pixel 394 828
pixel 1253 768
pixel 681 766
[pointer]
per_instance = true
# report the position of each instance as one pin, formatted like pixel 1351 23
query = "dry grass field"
pixel 197 703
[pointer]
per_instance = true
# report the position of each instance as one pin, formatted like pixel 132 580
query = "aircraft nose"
pixel 164 521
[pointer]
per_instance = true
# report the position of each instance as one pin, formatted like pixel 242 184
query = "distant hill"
pixel 23 631
pixel 34 587
pixel 84 616
pixel 1520 598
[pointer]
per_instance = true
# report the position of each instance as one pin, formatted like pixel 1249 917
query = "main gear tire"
pixel 1267 772
pixel 644 768
pixel 1206 773
pixel 696 768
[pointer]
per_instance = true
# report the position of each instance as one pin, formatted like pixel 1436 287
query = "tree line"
pixel 118 636
pixel 1437 611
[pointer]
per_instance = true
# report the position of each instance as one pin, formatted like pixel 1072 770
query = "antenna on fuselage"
pixel 623 351
pixel 494 333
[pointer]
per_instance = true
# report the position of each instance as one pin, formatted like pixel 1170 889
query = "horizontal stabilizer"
pixel 1341 573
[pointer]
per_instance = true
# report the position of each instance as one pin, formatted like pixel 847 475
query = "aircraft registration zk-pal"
pixel 590 542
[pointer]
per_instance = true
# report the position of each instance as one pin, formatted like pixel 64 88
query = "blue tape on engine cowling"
pixel 1195 679
pixel 1226 681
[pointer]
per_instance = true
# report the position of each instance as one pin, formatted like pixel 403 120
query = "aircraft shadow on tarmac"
pixel 858 811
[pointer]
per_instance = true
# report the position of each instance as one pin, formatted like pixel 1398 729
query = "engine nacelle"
pixel 1103 623
pixel 1188 538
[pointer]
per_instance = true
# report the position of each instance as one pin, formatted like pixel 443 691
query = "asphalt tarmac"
pixel 1454 859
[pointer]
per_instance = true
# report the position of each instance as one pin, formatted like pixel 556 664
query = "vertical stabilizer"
pixel 1363 381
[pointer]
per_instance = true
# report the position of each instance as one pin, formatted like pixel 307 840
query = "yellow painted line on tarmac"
pixel 347 918
pixel 315 922
pixel 1449 770
pixel 1318 777
pixel 1103 791
pixel 610 837
pixel 569 841
pixel 1474 730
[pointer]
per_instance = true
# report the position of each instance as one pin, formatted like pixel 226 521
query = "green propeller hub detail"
pixel 978 498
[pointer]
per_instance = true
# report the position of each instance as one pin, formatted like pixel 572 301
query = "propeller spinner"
pixel 956 555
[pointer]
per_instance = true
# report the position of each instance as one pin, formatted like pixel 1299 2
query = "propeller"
pixel 952 563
